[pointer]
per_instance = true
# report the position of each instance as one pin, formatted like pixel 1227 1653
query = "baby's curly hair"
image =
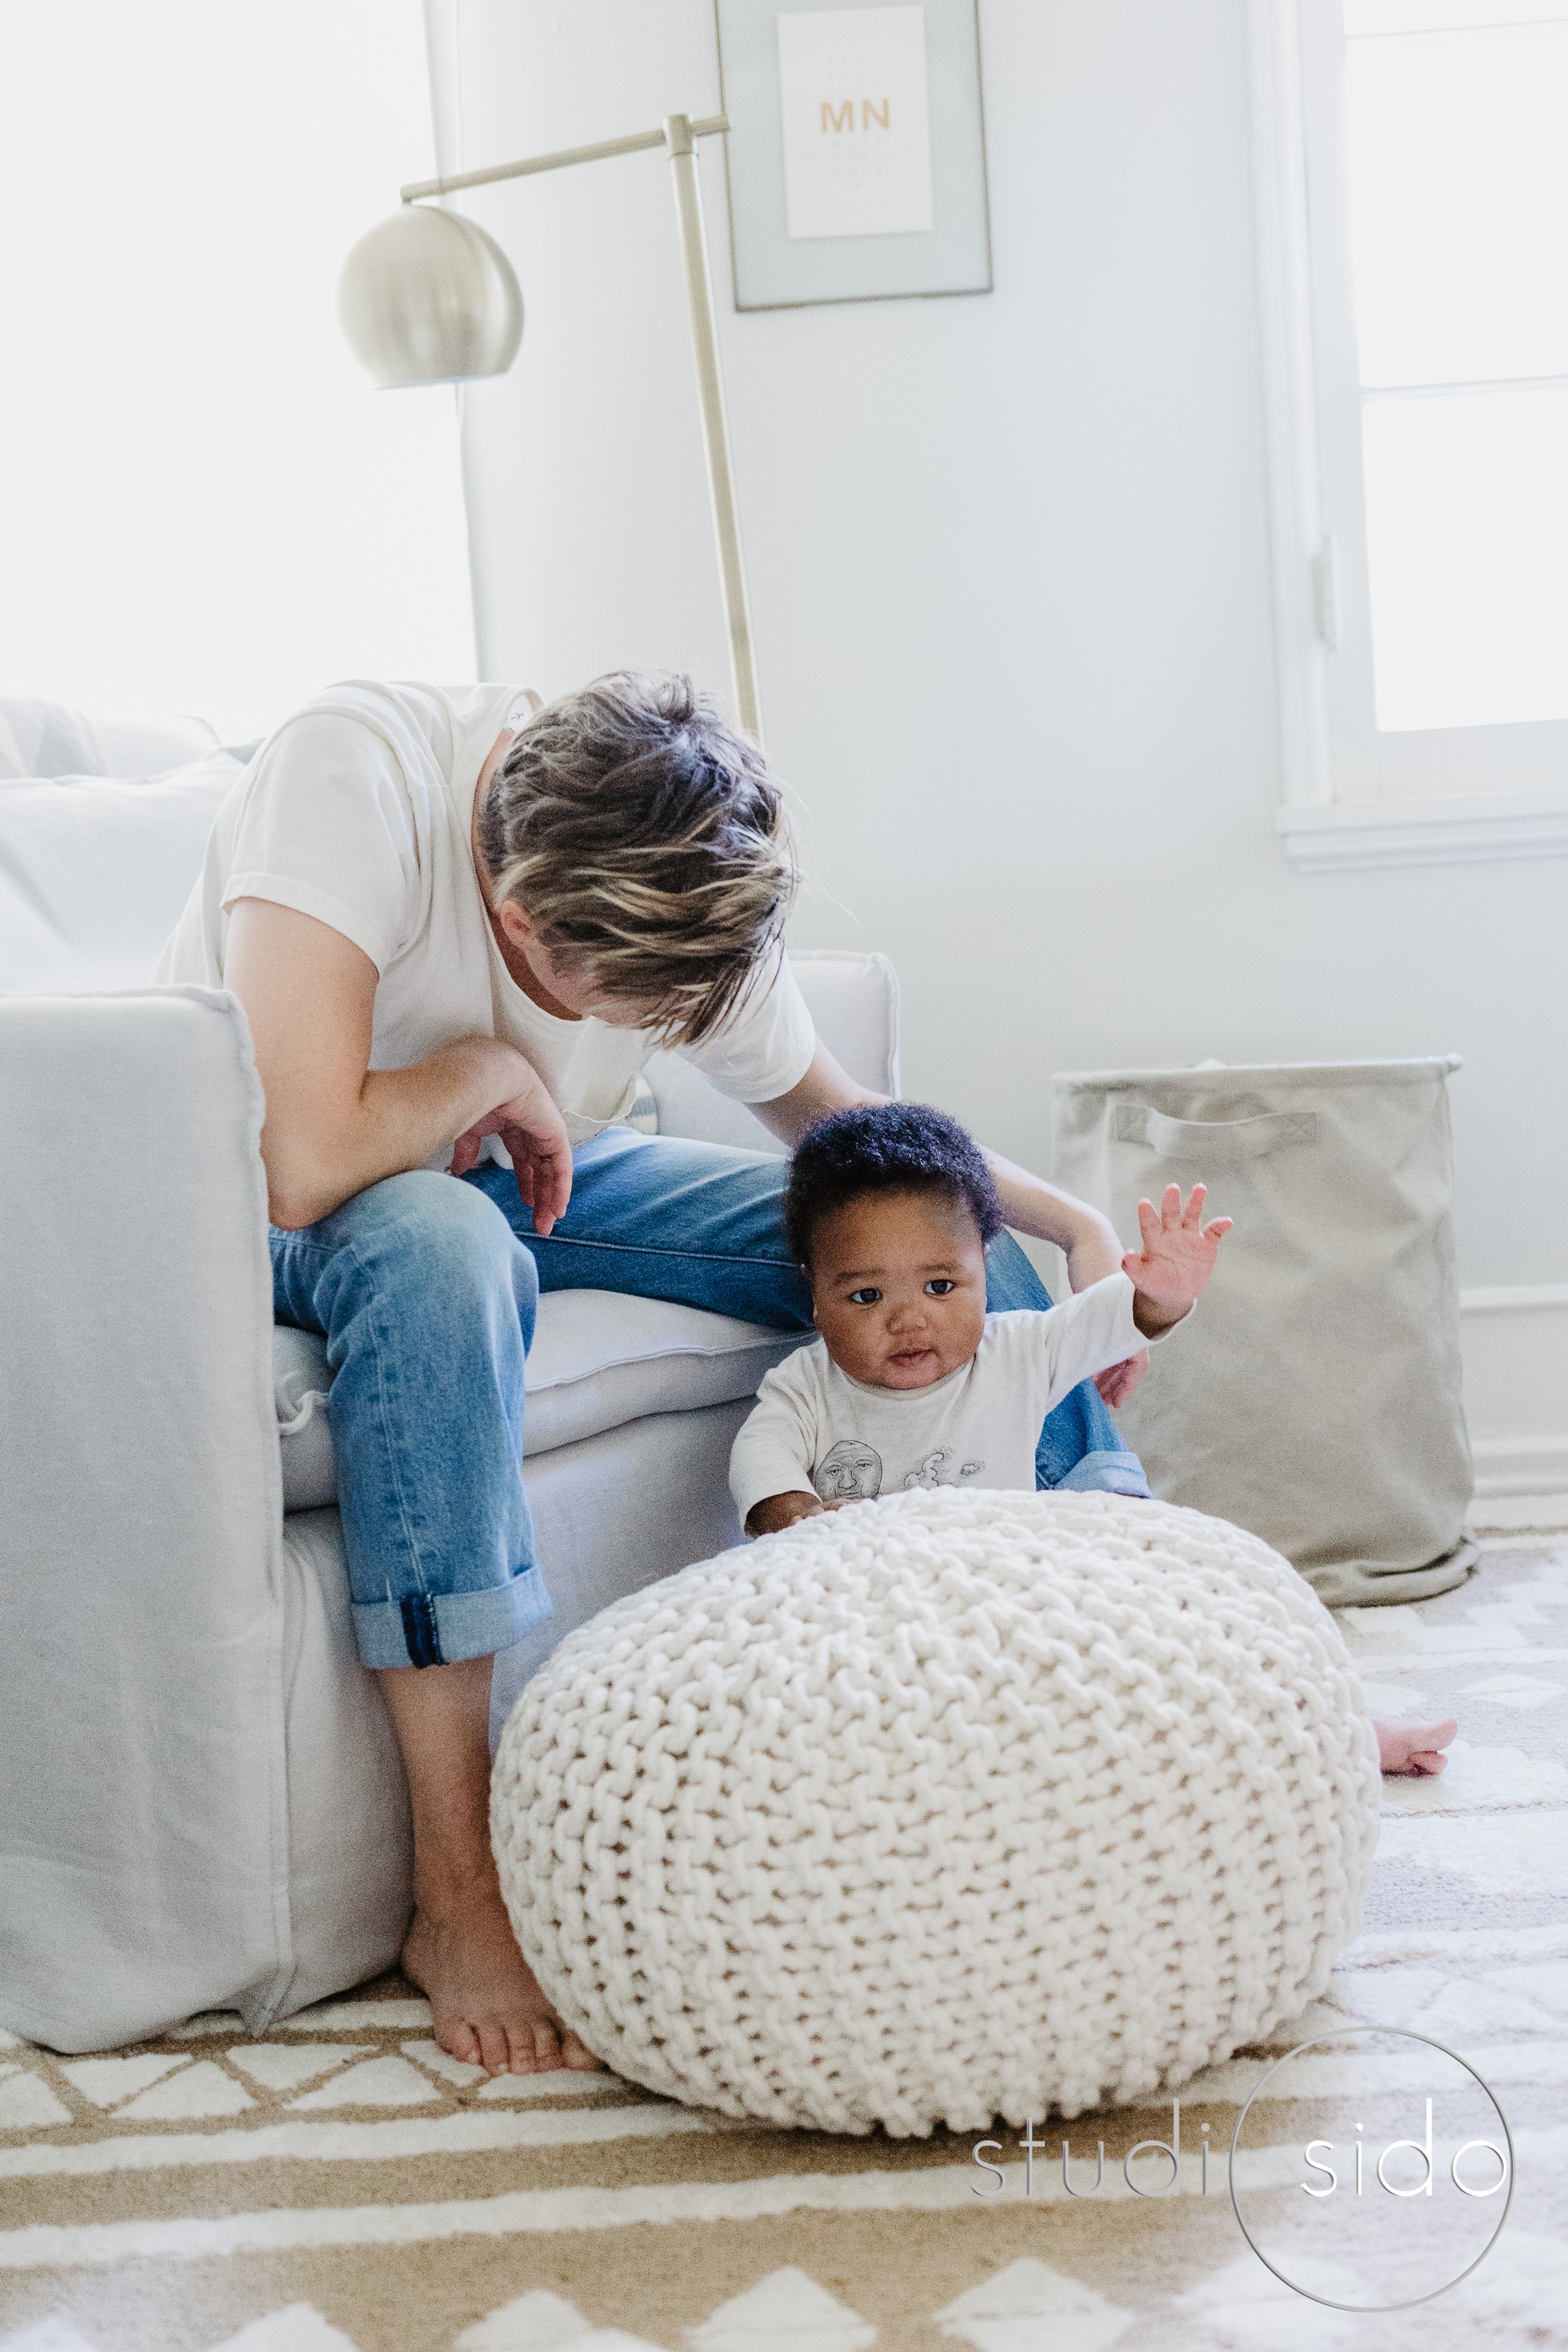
pixel 893 1146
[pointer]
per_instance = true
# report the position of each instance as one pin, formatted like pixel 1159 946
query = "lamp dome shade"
pixel 425 296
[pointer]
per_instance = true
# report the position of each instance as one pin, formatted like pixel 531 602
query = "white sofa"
pixel 204 1806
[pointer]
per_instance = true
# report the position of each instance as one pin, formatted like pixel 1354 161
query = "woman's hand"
pixel 533 1135
pixel 334 1125
pixel 1117 1383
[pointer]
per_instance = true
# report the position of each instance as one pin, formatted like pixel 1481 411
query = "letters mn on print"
pixel 856 121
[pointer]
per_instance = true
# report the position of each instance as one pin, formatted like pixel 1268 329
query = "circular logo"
pixel 1371 2169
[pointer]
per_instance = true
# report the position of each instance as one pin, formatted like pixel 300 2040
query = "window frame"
pixel 1352 796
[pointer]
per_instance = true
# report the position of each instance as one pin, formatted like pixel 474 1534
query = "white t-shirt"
pixel 815 1429
pixel 359 811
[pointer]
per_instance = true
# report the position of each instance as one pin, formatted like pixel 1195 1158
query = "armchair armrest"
pixel 141 1679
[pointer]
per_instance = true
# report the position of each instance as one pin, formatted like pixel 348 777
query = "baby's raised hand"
pixel 1176 1260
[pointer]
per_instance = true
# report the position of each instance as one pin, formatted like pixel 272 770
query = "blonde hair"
pixel 648 844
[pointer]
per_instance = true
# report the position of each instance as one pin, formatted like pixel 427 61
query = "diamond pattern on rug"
pixel 26 2103
pixel 284 2066
pixel 377 2083
pixel 1517 1690
pixel 541 2322
pixel 1243 2308
pixel 201 2090
pixel 107 2080
pixel 1546 1983
pixel 297 2329
pixel 999 2315
pixel 451 2070
pixel 787 2312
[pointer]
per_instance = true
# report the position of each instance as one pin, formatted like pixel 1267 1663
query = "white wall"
pixel 1009 573
pixel 203 505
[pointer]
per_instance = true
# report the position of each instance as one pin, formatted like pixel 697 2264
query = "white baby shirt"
pixel 815 1428
pixel 358 810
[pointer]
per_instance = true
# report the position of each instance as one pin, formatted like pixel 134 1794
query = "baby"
pixel 890 1210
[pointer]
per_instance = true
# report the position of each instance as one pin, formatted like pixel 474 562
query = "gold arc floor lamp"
pixel 426 297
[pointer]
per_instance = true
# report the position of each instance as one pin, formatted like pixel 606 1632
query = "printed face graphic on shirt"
pixel 848 1472
pixel 931 1470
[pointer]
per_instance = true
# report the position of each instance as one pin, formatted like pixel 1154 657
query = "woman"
pixel 459 924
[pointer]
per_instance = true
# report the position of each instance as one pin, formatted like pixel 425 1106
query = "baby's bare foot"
pixel 487 2006
pixel 1414 1750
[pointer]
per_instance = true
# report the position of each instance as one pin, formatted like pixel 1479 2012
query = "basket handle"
pixel 1217 1141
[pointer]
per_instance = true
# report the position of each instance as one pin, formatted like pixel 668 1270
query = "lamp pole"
pixel 677 137
pixel 678 132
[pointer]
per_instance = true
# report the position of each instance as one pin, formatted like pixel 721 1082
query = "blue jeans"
pixel 426 1288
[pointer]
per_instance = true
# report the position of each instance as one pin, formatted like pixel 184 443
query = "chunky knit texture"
pixel 941 1808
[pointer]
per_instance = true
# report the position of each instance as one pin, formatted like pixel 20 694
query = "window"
pixel 204 504
pixel 1413 201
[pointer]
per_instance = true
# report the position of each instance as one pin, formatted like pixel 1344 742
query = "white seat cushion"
pixel 599 1359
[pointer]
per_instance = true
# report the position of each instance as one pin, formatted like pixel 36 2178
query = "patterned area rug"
pixel 342 2187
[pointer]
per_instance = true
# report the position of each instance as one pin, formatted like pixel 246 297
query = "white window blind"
pixel 1413 229
pixel 204 504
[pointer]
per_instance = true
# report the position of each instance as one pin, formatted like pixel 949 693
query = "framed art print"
pixel 856 156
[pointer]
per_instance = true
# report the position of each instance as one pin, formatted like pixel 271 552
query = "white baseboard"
pixel 1514 1515
pixel 1515 1344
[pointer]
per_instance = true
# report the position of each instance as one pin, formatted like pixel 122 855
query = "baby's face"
pixel 899 1288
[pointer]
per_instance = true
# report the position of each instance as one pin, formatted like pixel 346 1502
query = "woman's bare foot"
pixel 487 2006
pixel 1413 1749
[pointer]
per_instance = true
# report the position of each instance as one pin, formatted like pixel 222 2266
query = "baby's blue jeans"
pixel 425 1289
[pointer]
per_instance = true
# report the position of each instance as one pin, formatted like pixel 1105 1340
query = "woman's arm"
pixel 334 1125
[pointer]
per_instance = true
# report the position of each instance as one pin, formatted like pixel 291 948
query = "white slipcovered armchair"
pixel 204 1802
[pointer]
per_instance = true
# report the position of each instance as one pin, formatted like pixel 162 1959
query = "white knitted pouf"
pixel 948 1806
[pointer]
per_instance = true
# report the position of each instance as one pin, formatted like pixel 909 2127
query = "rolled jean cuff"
pixel 440 1629
pixel 1105 1473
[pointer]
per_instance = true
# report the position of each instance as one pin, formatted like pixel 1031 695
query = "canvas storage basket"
pixel 1315 1396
